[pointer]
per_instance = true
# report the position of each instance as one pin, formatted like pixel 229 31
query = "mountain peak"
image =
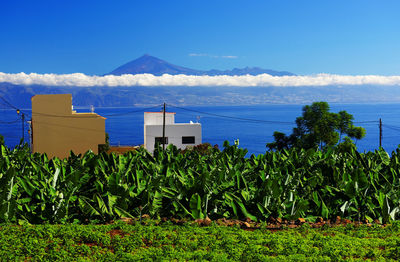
pixel 147 64
pixel 147 56
pixel 145 59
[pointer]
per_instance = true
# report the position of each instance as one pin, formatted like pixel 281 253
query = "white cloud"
pixel 195 54
pixel 229 56
pixel 214 56
pixel 263 80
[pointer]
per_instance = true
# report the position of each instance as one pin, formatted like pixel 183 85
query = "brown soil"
pixel 273 224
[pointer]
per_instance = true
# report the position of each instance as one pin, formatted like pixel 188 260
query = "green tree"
pixel 318 128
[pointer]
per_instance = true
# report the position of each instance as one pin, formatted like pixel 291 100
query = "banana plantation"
pixel 191 184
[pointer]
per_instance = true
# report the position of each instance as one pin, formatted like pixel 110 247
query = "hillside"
pixel 103 96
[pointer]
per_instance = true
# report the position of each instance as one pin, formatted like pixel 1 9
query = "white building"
pixel 179 134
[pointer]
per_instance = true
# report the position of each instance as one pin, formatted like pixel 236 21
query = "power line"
pixel 393 128
pixel 91 116
pixel 187 109
pixel 9 122
pixel 366 122
pixel 4 104
pixel 133 112
pixel 235 118
pixel 388 137
pixel 7 103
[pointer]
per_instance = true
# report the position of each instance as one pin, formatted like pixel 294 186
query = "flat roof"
pixel 159 112
pixel 175 124
pixel 87 114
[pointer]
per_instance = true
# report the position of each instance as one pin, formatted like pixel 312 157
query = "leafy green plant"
pixel 290 184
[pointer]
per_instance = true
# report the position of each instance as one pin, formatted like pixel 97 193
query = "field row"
pixel 124 242
pixel 199 183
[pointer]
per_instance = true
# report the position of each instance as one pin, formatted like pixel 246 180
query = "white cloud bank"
pixel 263 80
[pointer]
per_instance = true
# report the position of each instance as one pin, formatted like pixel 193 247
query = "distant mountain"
pixel 128 96
pixel 153 65
pixel 248 71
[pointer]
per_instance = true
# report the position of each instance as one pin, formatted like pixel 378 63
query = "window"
pixel 159 140
pixel 188 140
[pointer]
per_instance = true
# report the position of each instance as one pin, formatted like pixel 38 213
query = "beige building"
pixel 57 128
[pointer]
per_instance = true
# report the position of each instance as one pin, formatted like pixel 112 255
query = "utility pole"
pixel 30 134
pixel 23 127
pixel 22 120
pixel 163 129
pixel 380 132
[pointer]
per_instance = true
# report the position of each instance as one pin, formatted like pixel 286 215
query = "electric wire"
pixel 4 104
pixel 233 117
pixel 366 122
pixel 9 122
pixel 7 103
pixel 389 137
pixel 92 116
pixel 186 109
pixel 394 128
pixel 132 112
pixel 391 126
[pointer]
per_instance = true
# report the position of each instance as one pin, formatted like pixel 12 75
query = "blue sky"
pixel 354 37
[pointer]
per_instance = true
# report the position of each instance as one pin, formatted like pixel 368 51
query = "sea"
pixel 251 125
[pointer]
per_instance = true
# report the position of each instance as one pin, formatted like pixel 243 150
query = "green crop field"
pixel 289 184
pixel 49 207
pixel 122 242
